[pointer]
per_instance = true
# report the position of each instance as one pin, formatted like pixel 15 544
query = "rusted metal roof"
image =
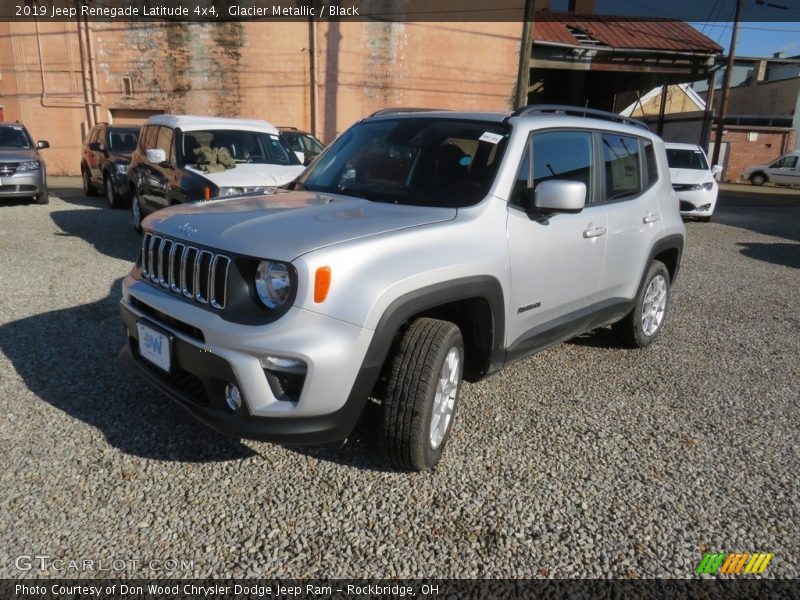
pixel 590 30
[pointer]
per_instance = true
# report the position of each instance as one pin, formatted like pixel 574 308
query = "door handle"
pixel 650 218
pixel 593 233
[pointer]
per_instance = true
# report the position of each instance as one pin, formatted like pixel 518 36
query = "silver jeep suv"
pixel 419 249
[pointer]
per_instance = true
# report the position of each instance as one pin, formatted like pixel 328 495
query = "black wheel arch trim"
pixel 418 301
pixel 411 304
pixel 670 242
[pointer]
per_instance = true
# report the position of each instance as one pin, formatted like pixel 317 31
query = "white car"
pixel 693 180
pixel 784 171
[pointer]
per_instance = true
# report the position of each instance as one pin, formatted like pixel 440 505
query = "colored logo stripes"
pixel 734 563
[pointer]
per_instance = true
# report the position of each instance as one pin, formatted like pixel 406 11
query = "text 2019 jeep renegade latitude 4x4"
pixel 420 248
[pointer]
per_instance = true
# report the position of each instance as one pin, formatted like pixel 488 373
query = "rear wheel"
pixel 422 393
pixel 136 212
pixel 643 324
pixel 88 188
pixel 758 179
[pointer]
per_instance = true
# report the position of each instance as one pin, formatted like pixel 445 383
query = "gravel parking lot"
pixel 585 460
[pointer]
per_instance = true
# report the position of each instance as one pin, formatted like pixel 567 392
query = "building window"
pixel 752 136
pixel 127 86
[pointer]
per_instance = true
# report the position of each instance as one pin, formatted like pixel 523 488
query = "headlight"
pixel 708 185
pixel 273 284
pixel 229 191
pixel 29 165
pixel 121 168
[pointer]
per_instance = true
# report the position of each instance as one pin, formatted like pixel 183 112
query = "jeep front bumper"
pixel 337 381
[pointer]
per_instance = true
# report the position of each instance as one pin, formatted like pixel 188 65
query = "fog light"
pixel 233 397
pixel 704 207
pixel 280 363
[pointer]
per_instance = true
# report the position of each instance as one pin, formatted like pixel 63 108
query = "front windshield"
pixel 12 136
pixel 244 146
pixel 122 140
pixel 686 159
pixel 420 161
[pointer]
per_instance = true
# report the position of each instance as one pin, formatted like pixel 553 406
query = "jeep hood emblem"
pixel 187 229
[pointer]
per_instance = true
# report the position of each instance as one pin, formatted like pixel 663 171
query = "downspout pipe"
pixel 92 69
pixel 43 99
pixel 314 83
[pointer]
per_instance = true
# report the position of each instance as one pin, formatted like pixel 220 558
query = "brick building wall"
pixel 252 70
pixel 744 152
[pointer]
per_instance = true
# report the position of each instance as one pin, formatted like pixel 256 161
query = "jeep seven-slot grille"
pixel 183 269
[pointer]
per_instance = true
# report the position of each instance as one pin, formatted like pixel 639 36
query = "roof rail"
pixel 579 111
pixel 392 111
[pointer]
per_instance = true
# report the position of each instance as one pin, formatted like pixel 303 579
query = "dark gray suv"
pixel 22 169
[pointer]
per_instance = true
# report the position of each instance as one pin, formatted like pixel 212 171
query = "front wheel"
pixel 422 393
pixel 88 188
pixel 136 213
pixel 643 324
pixel 111 195
pixel 758 179
pixel 43 197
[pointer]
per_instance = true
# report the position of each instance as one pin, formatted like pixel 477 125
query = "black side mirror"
pixel 96 147
pixel 42 144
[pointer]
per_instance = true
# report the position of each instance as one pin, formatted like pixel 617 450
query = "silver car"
pixel 420 249
pixel 22 169
pixel 785 170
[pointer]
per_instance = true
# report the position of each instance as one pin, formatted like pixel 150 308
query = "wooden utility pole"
pixel 524 73
pixel 726 84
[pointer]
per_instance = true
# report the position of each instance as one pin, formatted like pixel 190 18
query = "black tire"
pixel 758 179
pixel 88 187
pixel 112 197
pixel 43 197
pixel 415 366
pixel 630 330
pixel 135 204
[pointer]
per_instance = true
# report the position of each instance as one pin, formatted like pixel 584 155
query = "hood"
pixel 283 225
pixel 689 176
pixel 18 154
pixel 252 175
pixel 755 168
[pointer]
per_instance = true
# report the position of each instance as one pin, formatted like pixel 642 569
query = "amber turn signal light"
pixel 322 283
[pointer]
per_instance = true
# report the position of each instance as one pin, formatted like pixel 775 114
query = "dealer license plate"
pixel 154 346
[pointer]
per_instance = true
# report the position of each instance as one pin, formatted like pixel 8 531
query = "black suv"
pixel 302 141
pixel 105 159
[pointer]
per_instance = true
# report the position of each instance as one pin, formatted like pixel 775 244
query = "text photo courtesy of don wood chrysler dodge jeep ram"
pixel 420 249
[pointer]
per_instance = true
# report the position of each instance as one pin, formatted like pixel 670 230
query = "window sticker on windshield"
pixel 490 137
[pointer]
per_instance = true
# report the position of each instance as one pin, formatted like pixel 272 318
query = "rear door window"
pixel 622 167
